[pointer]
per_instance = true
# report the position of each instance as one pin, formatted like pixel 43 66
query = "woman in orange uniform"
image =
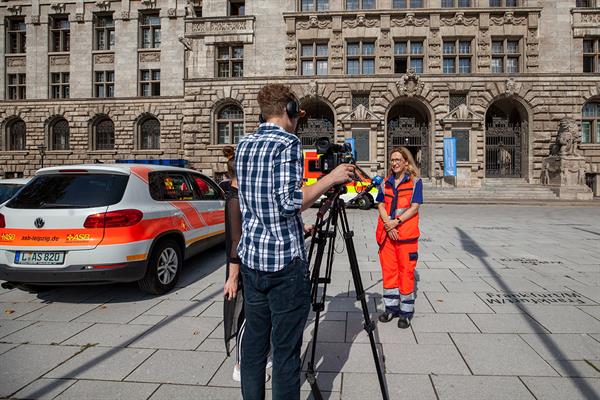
pixel 399 198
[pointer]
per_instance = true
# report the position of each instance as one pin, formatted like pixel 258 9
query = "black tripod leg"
pixel 369 325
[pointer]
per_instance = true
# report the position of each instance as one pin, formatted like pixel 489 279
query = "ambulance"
pixel 312 174
pixel 105 223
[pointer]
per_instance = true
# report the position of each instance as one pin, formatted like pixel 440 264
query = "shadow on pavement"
pixel 471 247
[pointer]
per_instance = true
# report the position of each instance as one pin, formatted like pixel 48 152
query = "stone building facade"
pixel 498 75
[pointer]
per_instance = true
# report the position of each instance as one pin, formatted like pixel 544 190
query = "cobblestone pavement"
pixel 508 307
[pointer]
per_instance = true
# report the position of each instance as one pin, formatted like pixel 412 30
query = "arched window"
pixel 59 135
pixel 15 135
pixel 230 124
pixel 149 134
pixel 590 122
pixel 104 134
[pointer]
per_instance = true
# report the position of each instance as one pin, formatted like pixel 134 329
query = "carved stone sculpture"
pixel 568 138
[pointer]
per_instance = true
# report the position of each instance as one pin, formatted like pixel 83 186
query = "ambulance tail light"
pixel 2 221
pixel 114 219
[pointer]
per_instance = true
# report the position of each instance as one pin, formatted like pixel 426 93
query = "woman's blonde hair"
pixel 407 155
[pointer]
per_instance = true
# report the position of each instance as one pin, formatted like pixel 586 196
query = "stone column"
pixel 81 56
pixel 37 60
pixel 126 55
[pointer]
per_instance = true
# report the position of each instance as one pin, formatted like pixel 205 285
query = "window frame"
pixel 198 195
pixel 505 55
pixel 230 61
pixel 107 86
pixel 10 135
pixel 61 33
pixel 455 134
pixel 456 4
pixel 409 55
pixel 238 5
pixel 104 31
pixel 95 137
pixel 409 4
pixel 153 84
pixel 230 123
pixel 141 133
pixel 361 57
pixel 155 178
pixel 152 28
pixel 594 55
pixel 16 35
pixel 505 4
pixel 593 121
pixel 62 86
pixel 315 58
pixel 19 88
pixel 52 135
pixel 317 5
pixel 360 5
pixel 457 55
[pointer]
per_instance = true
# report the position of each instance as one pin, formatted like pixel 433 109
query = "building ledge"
pixel 220 26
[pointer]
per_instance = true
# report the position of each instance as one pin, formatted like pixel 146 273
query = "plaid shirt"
pixel 269 171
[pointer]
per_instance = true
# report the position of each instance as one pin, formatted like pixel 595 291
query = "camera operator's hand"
pixel 343 173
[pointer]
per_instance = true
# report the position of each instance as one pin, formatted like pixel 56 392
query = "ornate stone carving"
pixel 186 42
pixel 190 8
pixel 103 4
pixel 15 62
pixel 35 19
pixel 104 58
pixel 125 15
pixel 360 113
pixel 510 87
pixel 150 56
pixel 462 113
pixel 313 22
pixel 313 88
pixel 409 20
pixel 361 20
pixel 435 50
pixel 218 26
pixel 58 8
pixel 568 139
pixel 410 84
pixel 532 50
pixel 15 10
pixel 508 19
pixel 385 51
pixel 337 52
pixel 590 18
pixel 59 60
pixel 149 3
pixel 459 19
pixel 291 60
pixel 172 13
pixel 79 18
pixel 484 49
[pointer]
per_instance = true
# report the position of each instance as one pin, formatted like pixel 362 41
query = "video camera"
pixel 332 155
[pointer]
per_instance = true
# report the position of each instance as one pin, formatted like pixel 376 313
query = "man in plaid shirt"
pixel 274 266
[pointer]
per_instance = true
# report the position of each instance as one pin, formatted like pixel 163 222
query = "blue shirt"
pixel 269 167
pixel 417 196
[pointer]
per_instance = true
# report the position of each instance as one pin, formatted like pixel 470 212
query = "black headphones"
pixel 292 109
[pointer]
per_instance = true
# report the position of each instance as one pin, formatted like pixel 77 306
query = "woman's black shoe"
pixel 403 322
pixel 386 316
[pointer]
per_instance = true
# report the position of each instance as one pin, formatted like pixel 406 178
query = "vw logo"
pixel 39 223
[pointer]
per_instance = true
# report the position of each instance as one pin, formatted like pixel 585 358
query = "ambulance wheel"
pixel 365 202
pixel 164 267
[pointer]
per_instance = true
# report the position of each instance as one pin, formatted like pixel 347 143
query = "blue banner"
pixel 449 156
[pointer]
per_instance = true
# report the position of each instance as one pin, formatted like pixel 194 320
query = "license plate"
pixel 40 257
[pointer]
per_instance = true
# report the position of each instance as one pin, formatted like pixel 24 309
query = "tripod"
pixel 324 235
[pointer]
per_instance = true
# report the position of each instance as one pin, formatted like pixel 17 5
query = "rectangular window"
pixel 408 54
pixel 361 142
pixel 407 3
pixel 360 98
pixel 59 85
pixel 149 31
pixel 456 3
pixel 457 56
pixel 506 56
pixel 590 123
pixel 104 84
pixel 360 58
pixel 591 55
pixel 456 99
pixel 60 34
pixel 16 85
pixel 104 32
pixel 360 4
pixel 504 3
pixel 230 61
pixel 462 144
pixel 149 82
pixel 583 3
pixel 314 5
pixel 313 58
pixel 237 7
pixel 16 34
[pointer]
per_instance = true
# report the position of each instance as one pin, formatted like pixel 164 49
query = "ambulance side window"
pixel 169 186
pixel 205 189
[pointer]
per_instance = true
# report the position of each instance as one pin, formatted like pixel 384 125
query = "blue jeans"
pixel 276 306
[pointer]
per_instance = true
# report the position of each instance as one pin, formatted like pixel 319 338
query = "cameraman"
pixel 274 264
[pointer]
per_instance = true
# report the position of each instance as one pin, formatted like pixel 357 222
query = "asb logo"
pixel 39 223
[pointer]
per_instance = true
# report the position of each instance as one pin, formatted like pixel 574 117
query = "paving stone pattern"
pixel 511 313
